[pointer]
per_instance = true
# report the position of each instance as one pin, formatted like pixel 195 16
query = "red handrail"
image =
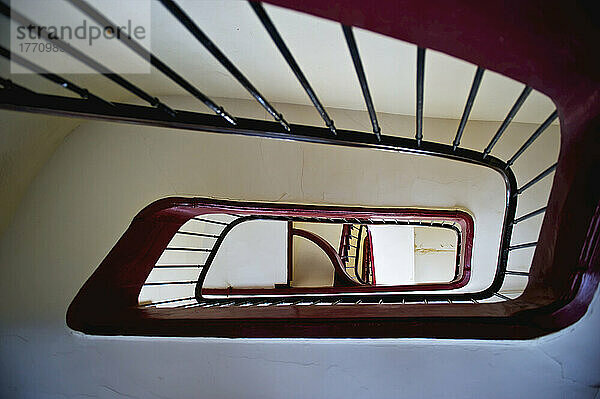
pixel 340 277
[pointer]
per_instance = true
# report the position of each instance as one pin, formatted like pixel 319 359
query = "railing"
pixel 17 97
pixel 207 232
pixel 345 288
pixel 358 266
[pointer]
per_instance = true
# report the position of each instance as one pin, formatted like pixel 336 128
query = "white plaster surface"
pixel 253 254
pixel 394 254
pixel 46 360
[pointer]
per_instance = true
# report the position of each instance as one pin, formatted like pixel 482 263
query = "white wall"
pixel 394 254
pixel 104 173
pixel 435 254
pixel 253 254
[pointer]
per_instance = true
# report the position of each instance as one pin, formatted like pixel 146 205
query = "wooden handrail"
pixel 341 277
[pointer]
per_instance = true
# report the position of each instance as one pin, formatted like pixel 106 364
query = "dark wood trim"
pixel 368 258
pixel 290 253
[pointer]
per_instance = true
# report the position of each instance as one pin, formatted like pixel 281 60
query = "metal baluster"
pixel 287 55
pixel 468 106
pixel 362 78
pixel 218 54
pixel 511 114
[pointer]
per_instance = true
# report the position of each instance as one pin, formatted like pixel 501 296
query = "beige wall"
pixel 435 254
pixel 26 143
pixel 312 267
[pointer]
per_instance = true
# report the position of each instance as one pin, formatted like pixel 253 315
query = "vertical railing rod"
pixel 289 58
pixel 509 117
pixel 520 246
pixel 362 78
pixel 210 221
pixel 499 295
pixel 218 54
pixel 190 233
pixel 529 215
pixel 468 107
pixel 189 298
pixel 183 282
pixel 80 56
pixel 59 80
pixel 516 273
pixel 10 85
pixel 178 266
pixel 537 178
pixel 154 61
pixel 277 302
pixel 189 304
pixel 533 137
pixel 357 254
pixel 420 87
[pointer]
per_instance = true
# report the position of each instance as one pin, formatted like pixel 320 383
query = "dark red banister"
pixel 341 278
pixel 368 258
